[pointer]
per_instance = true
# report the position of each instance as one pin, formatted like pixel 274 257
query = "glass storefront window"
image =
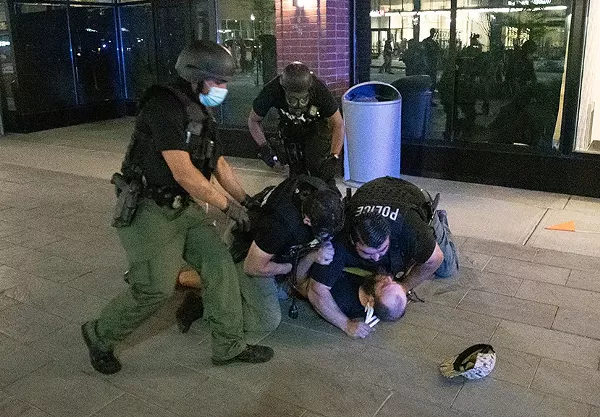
pixel 95 53
pixel 137 34
pixel 588 126
pixel 173 23
pixel 505 86
pixel 248 35
pixel 44 70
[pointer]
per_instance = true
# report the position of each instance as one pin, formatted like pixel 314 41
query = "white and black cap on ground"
pixel 474 362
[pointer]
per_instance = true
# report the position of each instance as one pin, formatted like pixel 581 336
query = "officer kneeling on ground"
pixel 173 153
pixel 391 227
pixel 311 128
pixel 296 218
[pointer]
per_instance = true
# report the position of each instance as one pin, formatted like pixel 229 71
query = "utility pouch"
pixel 129 194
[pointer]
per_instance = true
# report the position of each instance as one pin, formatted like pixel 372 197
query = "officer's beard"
pixel 298 110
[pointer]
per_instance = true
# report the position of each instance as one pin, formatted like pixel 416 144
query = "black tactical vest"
pixel 200 136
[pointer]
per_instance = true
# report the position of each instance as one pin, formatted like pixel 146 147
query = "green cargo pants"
pixel 159 241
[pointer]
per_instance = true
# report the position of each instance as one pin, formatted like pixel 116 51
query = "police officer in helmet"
pixel 173 152
pixel 311 128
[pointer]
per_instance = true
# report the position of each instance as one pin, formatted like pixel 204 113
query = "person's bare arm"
pixel 192 180
pixel 258 262
pixel 337 132
pixel 256 129
pixel 321 299
pixel 425 271
pixel 226 176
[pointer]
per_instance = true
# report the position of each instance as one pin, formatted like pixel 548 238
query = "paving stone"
pixel 507 250
pixel 404 406
pixel 19 201
pixel 68 303
pixel 11 277
pixel 493 398
pixel 401 337
pixel 94 255
pixel 568 381
pixel 62 391
pixel 13 407
pixel 582 322
pixel 106 283
pixel 14 255
pixel 412 376
pixel 18 361
pixel 548 343
pixel 524 311
pixel 595 412
pixel 473 260
pixel 32 239
pixel 6 302
pixel 130 406
pixel 528 270
pixel 567 260
pixel 220 398
pixel 25 323
pixel 334 353
pixel 51 267
pixel 585 280
pixel 559 295
pixel 449 320
pixel 323 392
pixel 8 229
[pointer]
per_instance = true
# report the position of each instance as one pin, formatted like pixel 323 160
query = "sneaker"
pixel 252 354
pixel 190 310
pixel 102 361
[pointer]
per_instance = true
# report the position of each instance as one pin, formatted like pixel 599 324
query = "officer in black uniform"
pixel 294 221
pixel 173 152
pixel 311 128
pixel 393 229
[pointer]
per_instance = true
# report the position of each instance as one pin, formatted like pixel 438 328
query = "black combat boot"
pixel 252 354
pixel 103 361
pixel 190 310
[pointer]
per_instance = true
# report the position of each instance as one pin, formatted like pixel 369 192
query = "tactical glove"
pixel 267 154
pixel 238 214
pixel 329 168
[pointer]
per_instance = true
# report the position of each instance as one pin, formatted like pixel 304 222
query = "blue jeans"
pixel 443 235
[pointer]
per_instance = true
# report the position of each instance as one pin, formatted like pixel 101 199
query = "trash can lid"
pixel 372 92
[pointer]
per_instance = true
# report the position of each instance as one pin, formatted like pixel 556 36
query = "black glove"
pixel 329 168
pixel 268 155
pixel 238 214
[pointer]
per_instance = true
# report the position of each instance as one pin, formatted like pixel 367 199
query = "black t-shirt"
pixel 411 239
pixel 345 295
pixel 321 104
pixel 163 122
pixel 277 231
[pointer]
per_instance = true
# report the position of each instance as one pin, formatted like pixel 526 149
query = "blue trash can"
pixel 416 105
pixel 372 121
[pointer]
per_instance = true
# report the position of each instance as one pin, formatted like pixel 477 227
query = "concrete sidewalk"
pixel 534 294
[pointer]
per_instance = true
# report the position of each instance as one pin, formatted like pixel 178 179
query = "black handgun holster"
pixel 129 194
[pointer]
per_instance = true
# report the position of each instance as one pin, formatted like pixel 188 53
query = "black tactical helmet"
pixel 205 59
pixel 296 78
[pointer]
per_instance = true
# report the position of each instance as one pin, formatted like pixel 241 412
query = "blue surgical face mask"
pixel 215 96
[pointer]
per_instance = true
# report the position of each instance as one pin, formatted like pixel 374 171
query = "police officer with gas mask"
pixel 311 128
pixel 174 151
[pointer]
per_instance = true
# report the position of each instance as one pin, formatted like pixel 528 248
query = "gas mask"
pixel 297 102
pixel 214 97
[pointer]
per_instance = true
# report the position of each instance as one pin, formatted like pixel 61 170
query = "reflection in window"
pixel 247 29
pixel 137 34
pixel 95 53
pixel 38 53
pixel 510 64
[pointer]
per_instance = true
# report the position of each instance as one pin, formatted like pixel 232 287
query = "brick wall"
pixel 317 35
